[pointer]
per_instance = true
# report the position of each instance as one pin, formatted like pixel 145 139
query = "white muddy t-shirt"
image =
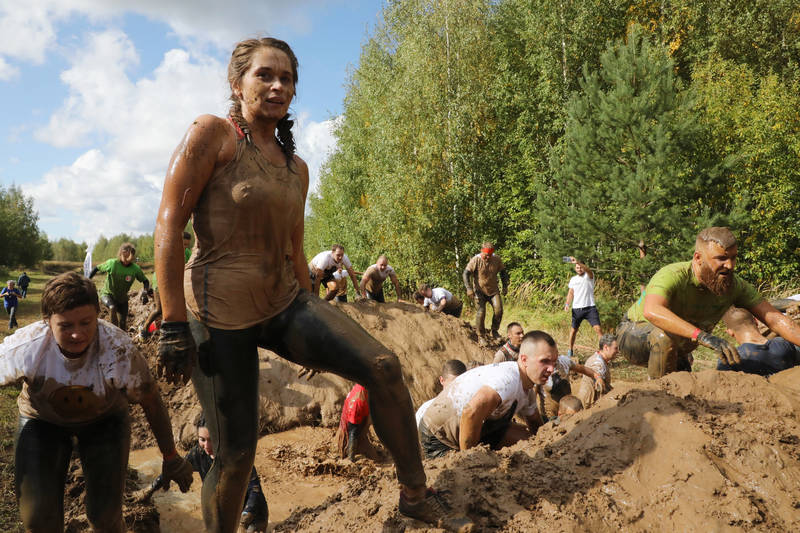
pixel 324 261
pixel 443 415
pixel 437 295
pixel 421 411
pixel 563 365
pixel 583 290
pixel 598 364
pixel 67 391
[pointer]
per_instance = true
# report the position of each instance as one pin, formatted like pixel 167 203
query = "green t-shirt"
pixel 119 278
pixel 690 300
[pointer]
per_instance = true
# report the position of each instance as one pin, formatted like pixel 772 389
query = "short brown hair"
pixel 736 318
pixel 68 291
pixel 126 247
pixel 570 403
pixel 718 234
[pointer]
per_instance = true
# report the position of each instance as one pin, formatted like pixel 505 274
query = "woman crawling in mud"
pixel 79 373
pixel 247 285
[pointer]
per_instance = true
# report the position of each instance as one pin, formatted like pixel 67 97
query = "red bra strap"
pixel 239 132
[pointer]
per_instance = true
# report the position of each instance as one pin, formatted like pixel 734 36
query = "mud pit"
pixel 708 451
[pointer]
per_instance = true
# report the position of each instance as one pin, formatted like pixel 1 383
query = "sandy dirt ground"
pixel 708 451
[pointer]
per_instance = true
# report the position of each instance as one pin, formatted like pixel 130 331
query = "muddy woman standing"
pixel 247 285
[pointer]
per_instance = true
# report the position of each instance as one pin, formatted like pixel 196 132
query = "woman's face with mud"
pixel 74 329
pixel 204 441
pixel 267 88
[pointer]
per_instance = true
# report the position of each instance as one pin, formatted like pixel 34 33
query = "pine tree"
pixel 630 185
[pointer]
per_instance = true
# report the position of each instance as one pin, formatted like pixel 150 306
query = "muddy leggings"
pixel 42 454
pixel 646 345
pixel 311 333
pixel 118 311
pixel 480 315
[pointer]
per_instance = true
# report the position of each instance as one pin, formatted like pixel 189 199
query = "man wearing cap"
pixel 480 280
pixel 684 301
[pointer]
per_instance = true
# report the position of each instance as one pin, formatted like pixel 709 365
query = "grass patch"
pixel 9 515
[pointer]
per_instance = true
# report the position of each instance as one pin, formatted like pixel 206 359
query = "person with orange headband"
pixel 480 280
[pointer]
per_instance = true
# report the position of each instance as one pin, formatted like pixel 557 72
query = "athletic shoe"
pixel 569 353
pixel 435 511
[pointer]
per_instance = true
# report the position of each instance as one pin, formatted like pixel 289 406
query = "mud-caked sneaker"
pixel 433 510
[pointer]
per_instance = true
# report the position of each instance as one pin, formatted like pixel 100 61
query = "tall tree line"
pixel 611 129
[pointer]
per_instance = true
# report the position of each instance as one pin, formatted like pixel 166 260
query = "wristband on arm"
pixel 695 333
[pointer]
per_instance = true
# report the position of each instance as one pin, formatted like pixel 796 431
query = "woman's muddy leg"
pixel 42 453
pixel 122 309
pixel 314 334
pixel 226 382
pixel 103 448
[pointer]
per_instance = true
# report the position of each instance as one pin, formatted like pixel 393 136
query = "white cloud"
pixel 314 142
pixel 7 71
pixel 104 195
pixel 138 123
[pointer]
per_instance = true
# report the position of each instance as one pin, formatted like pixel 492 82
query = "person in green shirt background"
pixel 144 332
pixel 684 301
pixel 120 274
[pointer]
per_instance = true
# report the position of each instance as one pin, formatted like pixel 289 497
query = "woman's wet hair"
pixel 238 65
pixel 126 247
pixel 68 291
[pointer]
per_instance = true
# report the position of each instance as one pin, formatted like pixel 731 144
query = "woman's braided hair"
pixel 239 64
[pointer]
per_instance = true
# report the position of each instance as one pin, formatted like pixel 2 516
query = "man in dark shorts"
pixel 477 407
pixel 684 301
pixel 373 278
pixel 581 298
pixel 759 355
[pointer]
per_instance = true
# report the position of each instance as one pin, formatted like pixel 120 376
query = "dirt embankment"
pixel 709 451
pixel 423 342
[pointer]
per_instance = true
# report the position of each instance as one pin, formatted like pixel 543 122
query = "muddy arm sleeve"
pixel 505 279
pixel 466 275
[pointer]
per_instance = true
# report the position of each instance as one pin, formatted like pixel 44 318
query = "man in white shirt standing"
pixel 478 406
pixel 581 298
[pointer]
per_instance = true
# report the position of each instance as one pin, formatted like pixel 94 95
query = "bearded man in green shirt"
pixel 684 301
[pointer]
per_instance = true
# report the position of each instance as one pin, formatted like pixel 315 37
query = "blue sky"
pixel 97 94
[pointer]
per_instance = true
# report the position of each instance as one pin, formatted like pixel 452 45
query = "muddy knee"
pixel 386 369
pixel 663 355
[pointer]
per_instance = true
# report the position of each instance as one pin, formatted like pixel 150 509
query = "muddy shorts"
pixel 377 296
pixel 589 314
pixel 492 433
pixel 111 303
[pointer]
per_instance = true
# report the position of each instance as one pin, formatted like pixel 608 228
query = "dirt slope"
pixel 423 342
pixel 706 452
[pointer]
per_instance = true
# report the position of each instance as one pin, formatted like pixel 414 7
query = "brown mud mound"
pixel 423 342
pixel 713 451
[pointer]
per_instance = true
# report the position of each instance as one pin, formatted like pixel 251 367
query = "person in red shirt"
pixel 354 421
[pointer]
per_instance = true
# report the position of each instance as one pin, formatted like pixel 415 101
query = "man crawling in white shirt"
pixel 477 407
pixel 78 375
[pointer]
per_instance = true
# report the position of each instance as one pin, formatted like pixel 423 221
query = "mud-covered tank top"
pixel 240 272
